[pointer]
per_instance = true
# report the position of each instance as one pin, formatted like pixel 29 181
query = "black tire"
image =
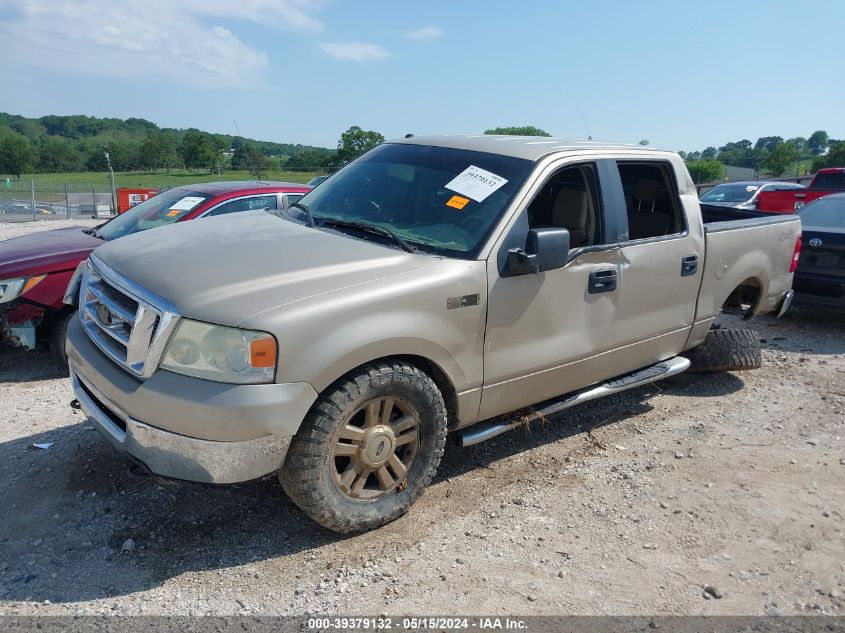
pixel 58 336
pixel 309 475
pixel 727 350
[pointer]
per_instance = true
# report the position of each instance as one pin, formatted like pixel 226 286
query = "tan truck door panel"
pixel 612 309
pixel 663 260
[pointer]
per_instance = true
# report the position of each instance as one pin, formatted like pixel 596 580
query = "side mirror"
pixel 545 249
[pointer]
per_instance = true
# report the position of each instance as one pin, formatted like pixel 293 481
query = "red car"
pixel 825 182
pixel 35 270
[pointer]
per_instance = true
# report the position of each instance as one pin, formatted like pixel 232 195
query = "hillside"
pixel 58 144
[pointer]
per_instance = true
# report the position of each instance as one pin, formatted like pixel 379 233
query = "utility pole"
pixel 111 180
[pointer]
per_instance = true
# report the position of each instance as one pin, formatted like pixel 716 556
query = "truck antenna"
pixel 584 121
pixel 248 157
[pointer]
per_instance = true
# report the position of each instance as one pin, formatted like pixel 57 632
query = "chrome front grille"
pixel 128 323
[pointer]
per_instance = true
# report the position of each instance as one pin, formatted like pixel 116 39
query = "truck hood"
pixel 227 269
pixel 45 252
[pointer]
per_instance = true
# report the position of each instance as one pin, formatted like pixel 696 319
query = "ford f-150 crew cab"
pixel 435 284
pixel 825 182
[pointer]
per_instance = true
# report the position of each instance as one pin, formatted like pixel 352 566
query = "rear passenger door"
pixel 662 258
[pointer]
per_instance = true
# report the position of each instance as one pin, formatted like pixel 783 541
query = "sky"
pixel 684 75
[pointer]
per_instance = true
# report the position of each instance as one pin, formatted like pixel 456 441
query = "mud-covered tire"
pixel 309 475
pixel 726 350
pixel 57 338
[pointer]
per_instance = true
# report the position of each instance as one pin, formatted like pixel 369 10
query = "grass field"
pixel 84 180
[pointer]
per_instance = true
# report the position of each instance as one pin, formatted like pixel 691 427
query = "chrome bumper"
pixel 786 302
pixel 178 456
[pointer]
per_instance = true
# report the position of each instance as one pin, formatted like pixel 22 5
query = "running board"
pixel 478 433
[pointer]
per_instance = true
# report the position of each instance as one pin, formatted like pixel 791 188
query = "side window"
pixel 245 204
pixel 292 197
pixel 569 200
pixel 650 199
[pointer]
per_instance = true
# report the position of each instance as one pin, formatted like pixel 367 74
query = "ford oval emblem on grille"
pixel 104 314
pixel 816 242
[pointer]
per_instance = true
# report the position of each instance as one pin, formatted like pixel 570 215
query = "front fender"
pixel 324 337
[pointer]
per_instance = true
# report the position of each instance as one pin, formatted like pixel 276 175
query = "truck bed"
pixel 718 213
pixel 790 201
pixel 756 251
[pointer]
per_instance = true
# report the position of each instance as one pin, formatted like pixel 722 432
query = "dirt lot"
pixel 628 505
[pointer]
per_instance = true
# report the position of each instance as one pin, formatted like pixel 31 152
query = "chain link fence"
pixel 29 200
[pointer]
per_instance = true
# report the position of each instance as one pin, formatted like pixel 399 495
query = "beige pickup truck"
pixel 434 285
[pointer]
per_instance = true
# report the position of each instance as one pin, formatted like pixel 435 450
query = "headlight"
pixel 224 354
pixel 14 288
pixel 71 297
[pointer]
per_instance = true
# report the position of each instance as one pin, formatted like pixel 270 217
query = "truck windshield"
pixel 165 208
pixel 439 200
pixel 829 211
pixel 730 193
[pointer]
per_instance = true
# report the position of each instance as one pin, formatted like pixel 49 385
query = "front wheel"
pixel 368 447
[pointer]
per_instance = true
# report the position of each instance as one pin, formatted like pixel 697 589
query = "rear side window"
pixel 651 200
pixel 245 204
pixel 829 181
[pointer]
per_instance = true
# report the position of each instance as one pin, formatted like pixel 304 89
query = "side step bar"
pixel 483 431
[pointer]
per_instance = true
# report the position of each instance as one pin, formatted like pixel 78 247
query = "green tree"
pixel 17 156
pixel 310 160
pixel 353 143
pixel 709 153
pixel 198 150
pixel 835 156
pixel 801 145
pixel 766 144
pixel 517 130
pixel 248 157
pixel 706 170
pixel 738 153
pixel 56 155
pixel 817 143
pixel 158 151
pixel 780 158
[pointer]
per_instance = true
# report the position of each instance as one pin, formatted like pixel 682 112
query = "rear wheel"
pixel 368 447
pixel 58 336
pixel 727 350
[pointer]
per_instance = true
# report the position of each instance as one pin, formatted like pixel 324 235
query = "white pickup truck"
pixel 435 284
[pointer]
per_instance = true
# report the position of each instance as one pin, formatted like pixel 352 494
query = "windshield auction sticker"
pixel 187 203
pixel 457 202
pixel 476 183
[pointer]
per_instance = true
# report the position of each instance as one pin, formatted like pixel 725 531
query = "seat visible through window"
pixel 568 201
pixel 653 208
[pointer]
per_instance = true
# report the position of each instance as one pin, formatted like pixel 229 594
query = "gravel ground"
pixel 15 229
pixel 701 494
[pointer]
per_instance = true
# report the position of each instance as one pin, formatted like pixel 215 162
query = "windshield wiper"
pixel 370 228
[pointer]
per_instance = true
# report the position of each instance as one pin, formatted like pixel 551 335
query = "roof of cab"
pixel 234 185
pixel 528 147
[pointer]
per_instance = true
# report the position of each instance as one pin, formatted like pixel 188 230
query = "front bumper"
pixel 184 427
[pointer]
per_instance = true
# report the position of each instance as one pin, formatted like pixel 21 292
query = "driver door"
pixel 548 333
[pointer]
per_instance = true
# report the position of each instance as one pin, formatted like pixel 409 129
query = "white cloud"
pixel 158 40
pixel 355 51
pixel 425 34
